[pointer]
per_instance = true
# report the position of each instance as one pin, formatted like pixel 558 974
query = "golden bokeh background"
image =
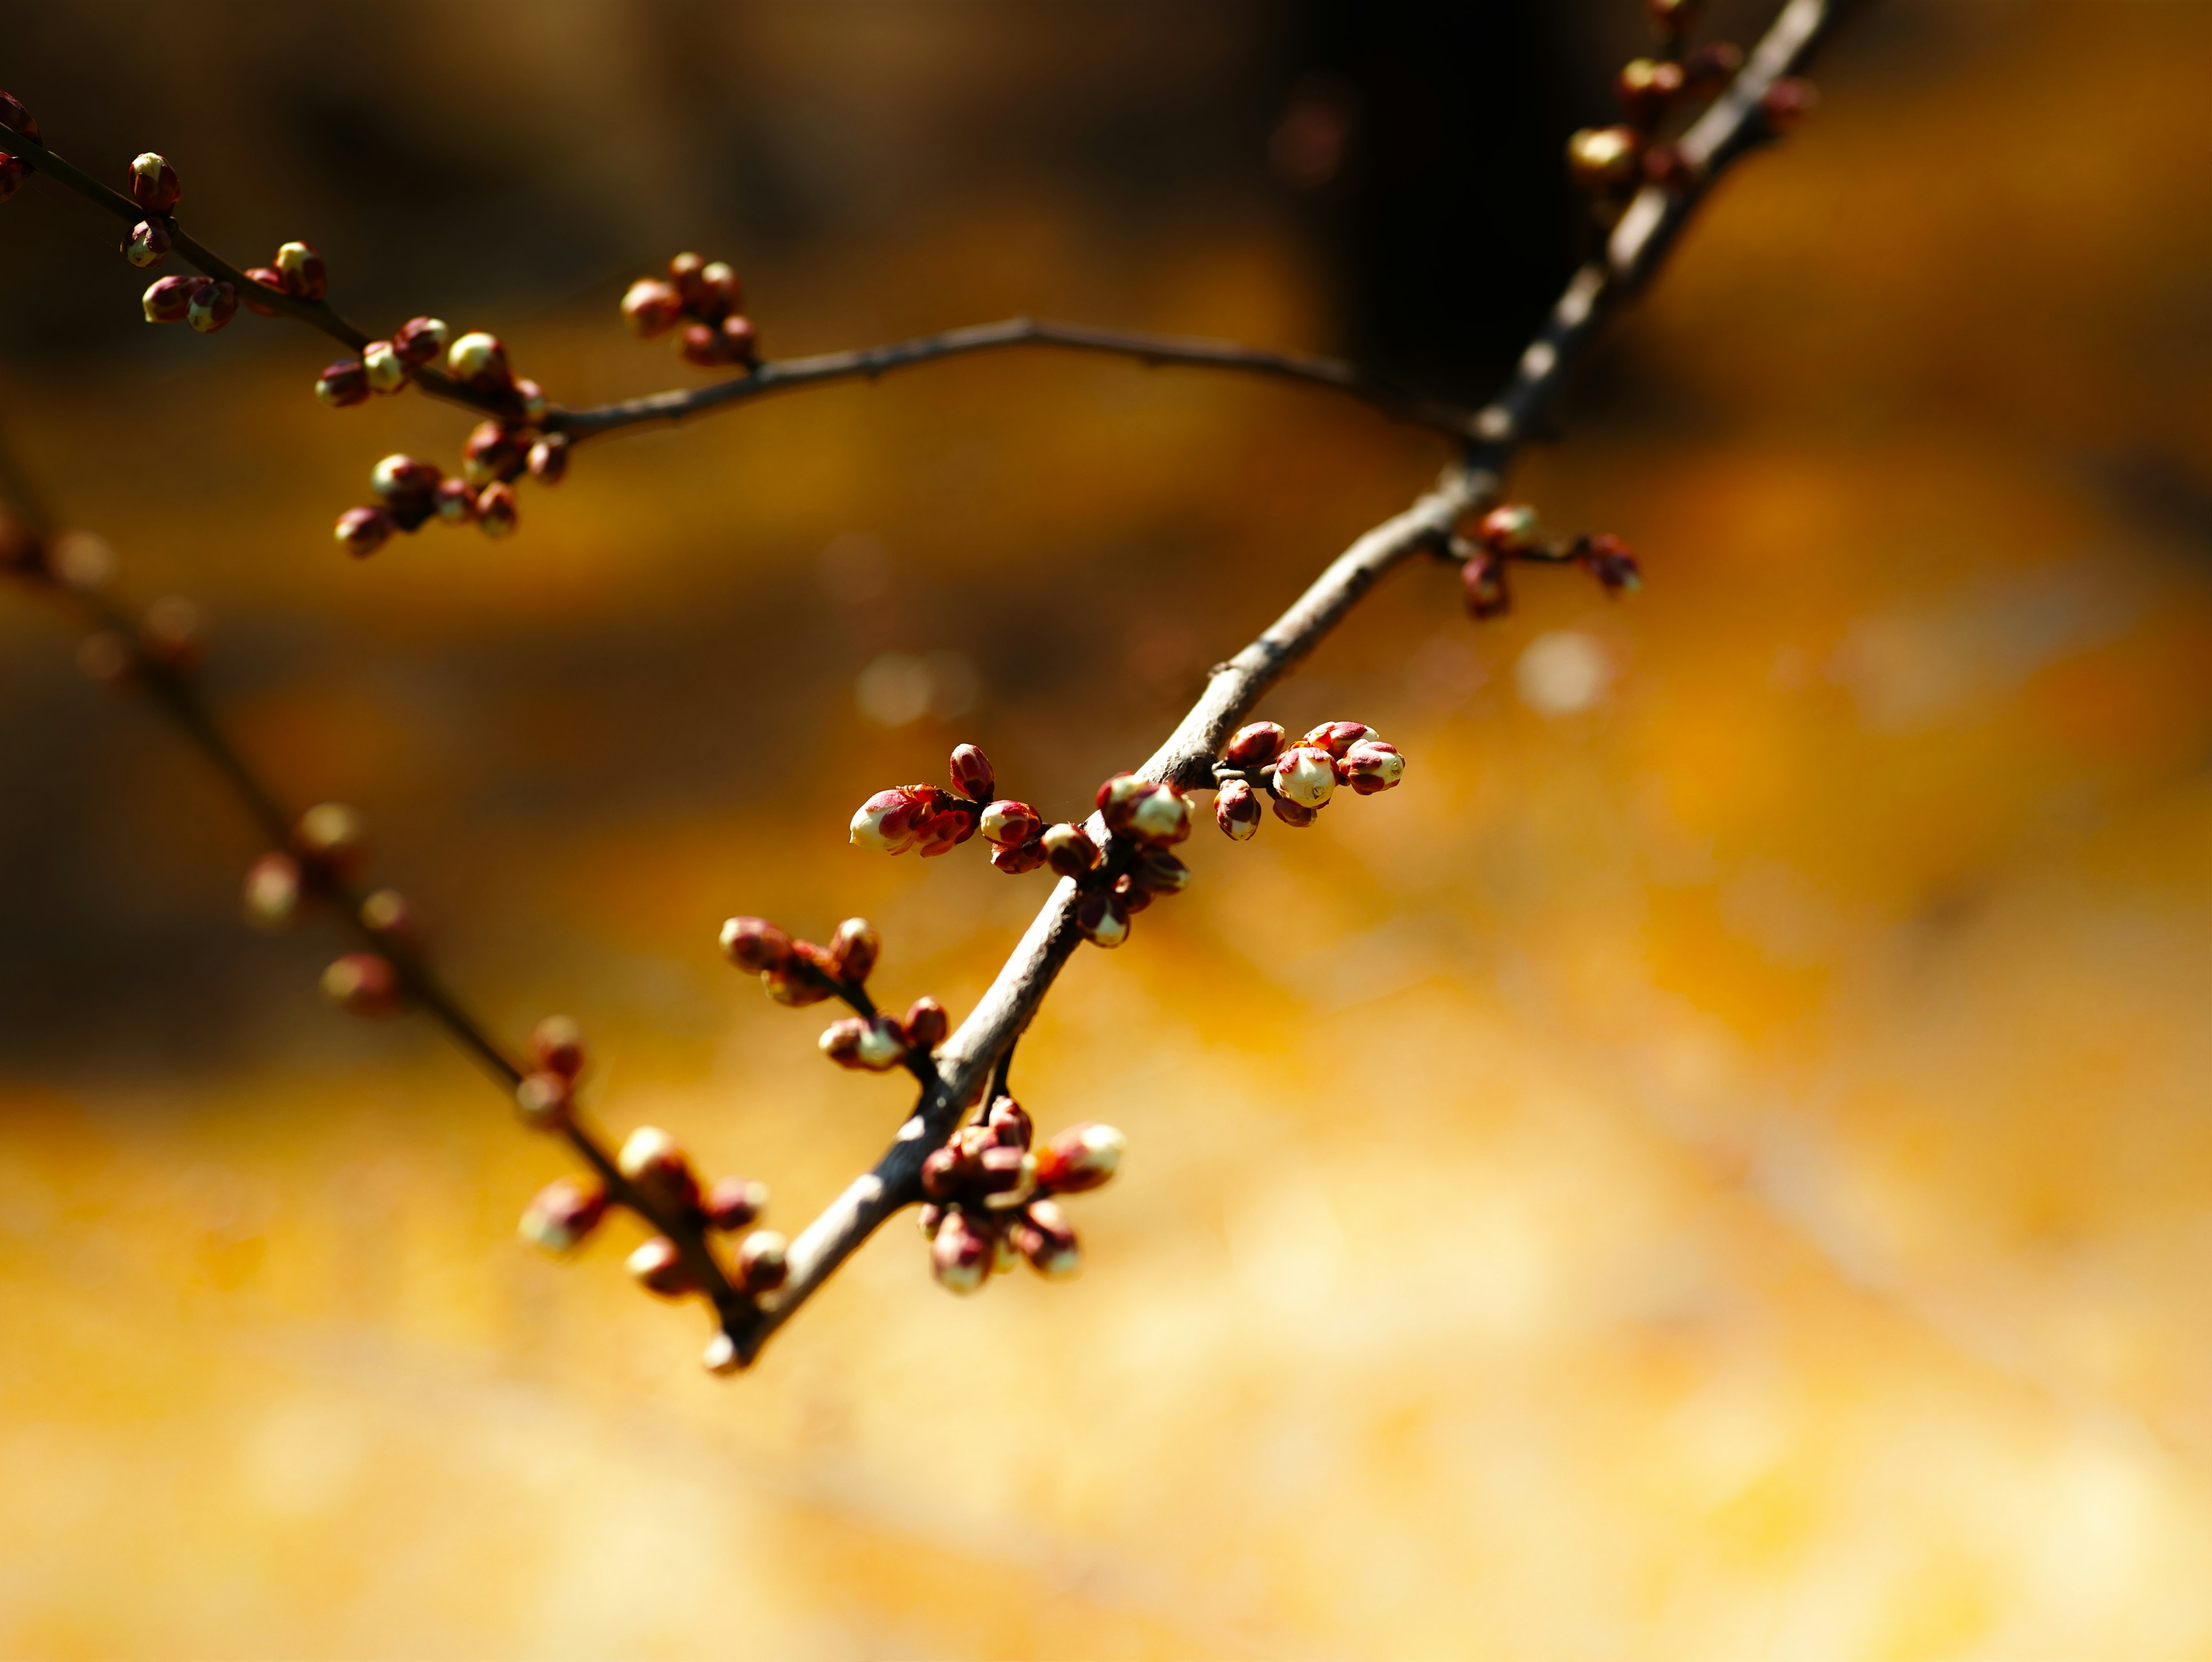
pixel 1716 1165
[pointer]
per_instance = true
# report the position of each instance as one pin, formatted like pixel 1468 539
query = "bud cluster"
pixel 322 861
pixel 13 118
pixel 929 820
pixel 799 973
pixel 1511 532
pixel 1300 778
pixel 703 297
pixel 990 1197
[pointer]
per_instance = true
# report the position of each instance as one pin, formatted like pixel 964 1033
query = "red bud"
pixel 362 984
pixel 362 531
pixel 153 183
pixel 301 271
pixel 754 943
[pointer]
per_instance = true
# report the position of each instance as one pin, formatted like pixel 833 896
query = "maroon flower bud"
pixel 1044 1237
pixel 1667 166
pixel 718 292
pixel 562 1214
pixel 332 841
pixel 173 633
pixel 960 1257
pixel 543 1100
pixel 1134 900
pixel 953 823
pixel 1603 158
pixel 420 340
pixel 274 888
pixel 403 480
pixel 754 943
pixel 972 774
pixel 1104 918
pixel 532 398
pixel 652 308
pixel 853 951
pixel 1160 873
pixel 1115 795
pixel 1337 737
pixel 722 1356
pixel 387 372
pixel 651 1160
pixel 1003 1174
pixel 387 914
pixel 1010 1122
pixel 497 512
pixel 1069 850
pixel 1015 858
pixel 926 1025
pixel 763 1262
pixel 343 383
pixel 1711 67
pixel 658 1269
pixel 362 984
pixel 1156 814
pixel 734 1203
pixel 477 360
pixel 1254 746
pixel 738 344
pixel 1612 563
pixel 16 119
pixel 1788 102
pixel 804 978
pixel 494 451
pixel 1371 766
pixel 1237 810
pixel 556 1046
pixel 301 271
pixel 1291 814
pixel 1306 775
pixel 1509 528
pixel 1646 86
pixel 941 1173
pixel 877 1045
pixel 213 305
pixel 686 271
pixel 889 821
pixel 1484 578
pixel 153 183
pixel 548 459
pixel 362 531
pixel 12 172
pixel 167 299
pixel 702 346
pixel 258 277
pixel 456 501
pixel 147 245
pixel 1010 823
pixel 1081 1157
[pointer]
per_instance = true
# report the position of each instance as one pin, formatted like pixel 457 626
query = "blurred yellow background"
pixel 1716 1165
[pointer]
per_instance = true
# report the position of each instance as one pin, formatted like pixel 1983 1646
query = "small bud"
pixel 1711 67
pixel 652 308
pixel 1509 528
pixel 1337 737
pixel 1306 775
pixel 658 1269
pixel 685 271
pixel 1006 822
pixel 1010 1124
pixel 387 914
pixel 497 513
pixel 738 344
pixel 1081 1157
pixel 1159 814
pixel 1006 1175
pixel 362 531
pixel 332 841
pixel 167 299
pixel 562 1214
pixel 273 891
pixel 702 346
pixel 531 397
pixel 362 984
pixel 1015 858
pixel 803 979
pixel 1646 86
pixel 926 1025
pixel 258 277
pixel 387 372
pixel 892 821
pixel 173 633
pixel 1603 158
pixel 1237 810
pixel 877 1046
pixel 953 823
pixel 556 1046
pixel 455 502
pixel 1371 766
pixel 543 1100
pixel 720 1355
pixel 754 943
pixel 302 272
pixel 548 459
pixel 1160 873
pixel 1788 102
pixel 492 450
pixel 213 305
pixel 343 384
pixel 401 478
pixel 650 1159
pixel 853 951
pixel 1047 1239
pixel 960 1255
pixel 1069 850
pixel 931 1216
pixel 153 183
pixel 763 1262
pixel 735 1203
pixel 477 360
pixel 420 340
pixel 1254 746
pixel 1484 578
pixel 1114 797
pixel 16 119
pixel 1291 814
pixel 941 1173
pixel 1134 900
pixel 1612 563
pixel 972 774
pixel 148 244
pixel 1103 919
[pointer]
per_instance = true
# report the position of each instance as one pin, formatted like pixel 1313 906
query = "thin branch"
pixel 1646 230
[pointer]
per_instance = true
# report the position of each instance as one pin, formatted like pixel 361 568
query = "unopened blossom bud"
pixel 941 1173
pixel 1484 578
pixel 1010 1122
pixel 387 372
pixel 1509 528
pixel 213 305
pixel 972 775
pixel 548 459
pixel 652 1160
pixel 925 1024
pixel 387 914
pixel 739 344
pixel 332 841
pixel 1612 563
pixel 1237 810
pixel 1306 775
pixel 497 512
pixel 477 360
pixel 1787 103
pixel 1337 737
pixel 148 243
pixel 702 346
pixel 658 1269
pixel 362 984
pixel 889 822
pixel 1114 797
pixel 931 1216
pixel 1371 766
pixel 556 1046
pixel 492 450
pixel 1157 814
pixel 953 823
pixel 1291 814
pixel 1254 746
pixel 455 501
pixel 719 293
pixel 343 384
pixel 1134 900
pixel 531 397
pixel 735 1203
pixel 82 561
pixel 1047 1239
pixel 1711 67
pixel 1602 158
pixel 362 531
pixel 1103 919
pixel 404 478
pixel 12 173
pixel 562 1214
pixel 652 308
pixel 172 632
pixel 16 119
pixel 754 943
pixel 1160 873
pixel 273 891
pixel 1081 1157
pixel 685 271
pixel 804 978
pixel 1646 86
pixel 877 1046
pixel 153 183
pixel 763 1262
pixel 302 272
pixel 543 1100
pixel 1008 822
pixel 420 340
pixel 167 299
pixel 1006 1175
pixel 853 951
pixel 259 278
pixel 960 1255
pixel 1015 858
pixel 1069 850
